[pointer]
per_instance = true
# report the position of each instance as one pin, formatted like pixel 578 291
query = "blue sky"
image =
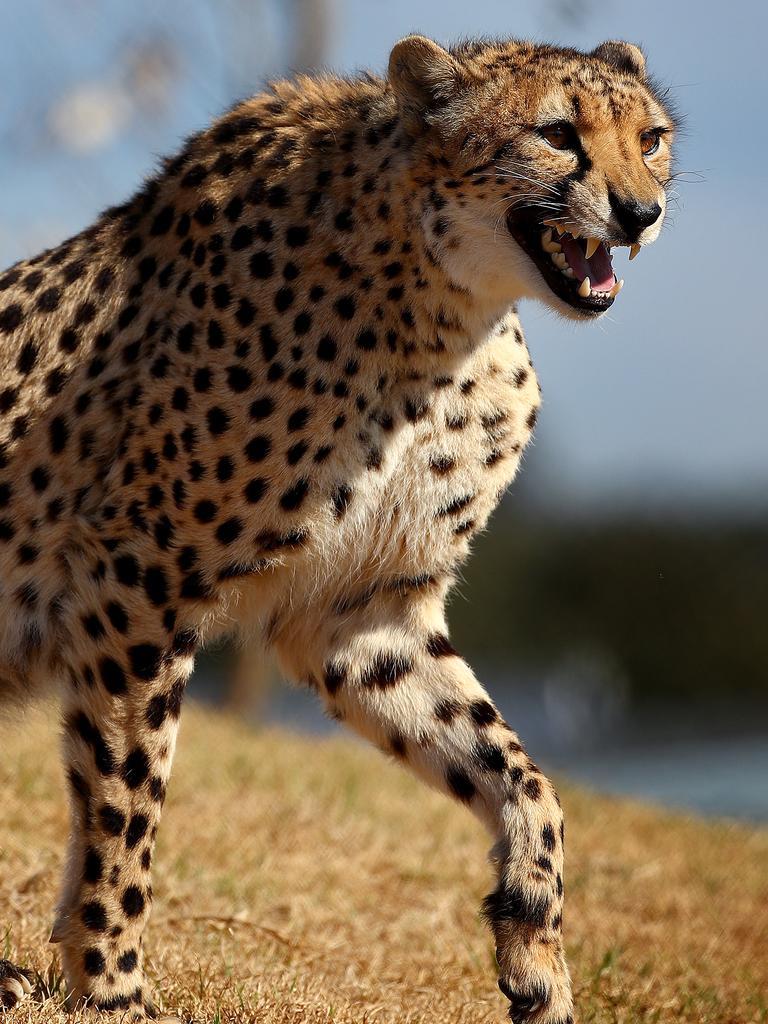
pixel 665 402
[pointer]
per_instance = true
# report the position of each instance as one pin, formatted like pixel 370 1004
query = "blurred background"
pixel 618 608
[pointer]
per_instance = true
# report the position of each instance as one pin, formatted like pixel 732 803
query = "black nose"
pixel 633 216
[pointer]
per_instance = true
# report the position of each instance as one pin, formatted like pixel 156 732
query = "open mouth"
pixel 579 270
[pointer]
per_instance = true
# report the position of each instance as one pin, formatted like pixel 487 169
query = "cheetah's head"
pixel 534 162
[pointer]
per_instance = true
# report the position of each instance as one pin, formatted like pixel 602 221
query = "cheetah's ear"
pixel 422 75
pixel 623 56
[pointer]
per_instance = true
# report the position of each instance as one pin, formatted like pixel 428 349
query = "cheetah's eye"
pixel 559 135
pixel 649 141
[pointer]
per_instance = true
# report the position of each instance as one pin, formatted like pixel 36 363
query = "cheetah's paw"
pixel 14 985
pixel 537 985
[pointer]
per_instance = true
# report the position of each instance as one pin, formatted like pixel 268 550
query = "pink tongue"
pixel 598 268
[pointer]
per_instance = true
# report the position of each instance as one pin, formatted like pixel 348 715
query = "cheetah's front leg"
pixel 390 672
pixel 121 716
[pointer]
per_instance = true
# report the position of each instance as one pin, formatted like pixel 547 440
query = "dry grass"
pixel 311 881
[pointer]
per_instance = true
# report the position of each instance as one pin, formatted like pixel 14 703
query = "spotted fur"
pixel 282 388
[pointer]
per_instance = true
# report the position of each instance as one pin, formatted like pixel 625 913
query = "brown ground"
pixel 309 881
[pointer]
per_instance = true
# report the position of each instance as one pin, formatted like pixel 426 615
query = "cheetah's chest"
pixel 445 471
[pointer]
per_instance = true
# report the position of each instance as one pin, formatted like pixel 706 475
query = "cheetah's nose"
pixel 633 216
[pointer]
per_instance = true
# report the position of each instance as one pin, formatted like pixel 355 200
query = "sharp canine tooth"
pixel 634 250
pixel 616 288
pixel 585 288
pixel 593 244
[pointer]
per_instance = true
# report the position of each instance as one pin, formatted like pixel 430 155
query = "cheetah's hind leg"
pixel 15 985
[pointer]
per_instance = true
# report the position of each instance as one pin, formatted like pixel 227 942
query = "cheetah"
pixel 281 388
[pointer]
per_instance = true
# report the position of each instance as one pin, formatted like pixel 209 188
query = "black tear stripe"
pixel 585 165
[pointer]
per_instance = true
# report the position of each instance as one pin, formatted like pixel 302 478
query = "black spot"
pixel 326 349
pixel 246 313
pixel 127 316
pixel 156 585
pixel 193 587
pixel 258 447
pixel 262 265
pixel 93 867
pixel 205 511
pixel 229 531
pixel 11 317
pixel 386 670
pixel 490 757
pixel 483 712
pixel 133 901
pixel 346 307
pixel 268 342
pixel 218 421
pixel 296 453
pixel 163 221
pixel 145 660
pixel 416 409
pixel 127 570
pixel 238 379
pixel 222 297
pixel 333 677
pixel 441 464
pixel 292 499
pixel 242 238
pixel 112 676
pixel 202 380
pixel 297 236
pixel 446 710
pixel 27 358
pixel 532 788
pixel 94 963
pixel 49 300
pixel 344 220
pixel 460 784
pixel 206 212
pixel 94 916
pixel 198 295
pixel 127 962
pixel 225 469
pixel 284 299
pixel 93 626
pixel 277 197
pixel 548 837
pixel 302 324
pixel 156 712
pixel 341 498
pixel 135 769
pixel 298 419
pixel 366 340
pixel 137 829
pixel 439 646
pixel 456 505
pixel 215 335
pixel 513 903
pixel 255 490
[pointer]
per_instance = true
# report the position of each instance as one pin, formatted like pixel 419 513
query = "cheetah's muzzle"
pixel 578 270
